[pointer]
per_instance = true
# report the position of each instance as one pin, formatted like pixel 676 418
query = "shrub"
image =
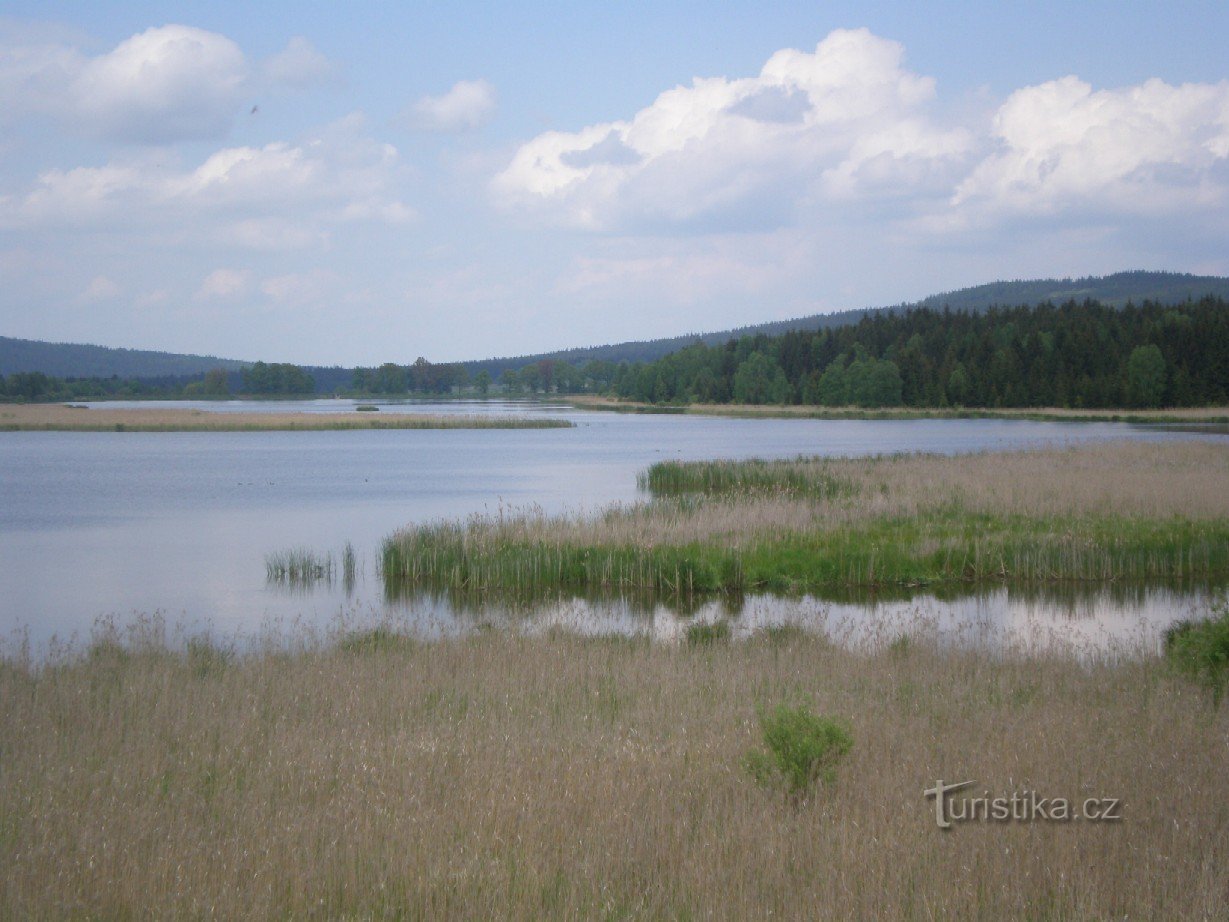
pixel 801 748
pixel 1200 649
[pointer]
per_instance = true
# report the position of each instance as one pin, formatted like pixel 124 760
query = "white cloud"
pixel 223 284
pixel 468 105
pixel 169 83
pixel 300 287
pixel 843 135
pixel 164 84
pixel 300 66
pixel 279 196
pixel 100 288
pixel 846 121
pixel 1147 148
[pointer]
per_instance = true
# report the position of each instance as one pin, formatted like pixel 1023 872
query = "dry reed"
pixel 58 417
pixel 553 777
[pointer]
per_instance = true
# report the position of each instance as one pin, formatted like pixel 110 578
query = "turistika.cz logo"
pixel 1018 807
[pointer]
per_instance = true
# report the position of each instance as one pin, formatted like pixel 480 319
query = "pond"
pixel 118 525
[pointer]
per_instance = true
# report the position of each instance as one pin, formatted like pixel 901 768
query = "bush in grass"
pixel 1200 649
pixel 801 748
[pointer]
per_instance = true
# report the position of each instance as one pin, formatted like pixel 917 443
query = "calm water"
pixel 119 524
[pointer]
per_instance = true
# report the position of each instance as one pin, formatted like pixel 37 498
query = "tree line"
pixel 1070 355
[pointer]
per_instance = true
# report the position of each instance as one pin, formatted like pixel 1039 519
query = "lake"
pixel 120 525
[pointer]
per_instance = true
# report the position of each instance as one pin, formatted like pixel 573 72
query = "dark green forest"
pixel 1070 355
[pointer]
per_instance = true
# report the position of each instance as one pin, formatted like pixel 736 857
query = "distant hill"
pixel 72 360
pixel 1113 290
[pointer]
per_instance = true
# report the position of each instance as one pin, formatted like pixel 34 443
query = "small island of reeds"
pixel 1112 512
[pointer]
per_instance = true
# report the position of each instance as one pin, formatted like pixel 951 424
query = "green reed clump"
pixel 801 748
pixel 1200 649
pixel 802 477
pixel 377 640
pixel 349 564
pixel 706 634
pixel 298 565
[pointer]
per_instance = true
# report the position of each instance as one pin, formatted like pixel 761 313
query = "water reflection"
pixel 1077 617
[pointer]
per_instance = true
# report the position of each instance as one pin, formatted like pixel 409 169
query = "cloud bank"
pixel 819 138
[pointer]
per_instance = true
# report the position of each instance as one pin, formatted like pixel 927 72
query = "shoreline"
pixel 1186 415
pixel 64 418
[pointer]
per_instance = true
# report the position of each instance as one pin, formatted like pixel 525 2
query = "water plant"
pixel 298 565
pixel 708 633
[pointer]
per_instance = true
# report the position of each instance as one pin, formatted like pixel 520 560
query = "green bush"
pixel 801 748
pixel 1200 649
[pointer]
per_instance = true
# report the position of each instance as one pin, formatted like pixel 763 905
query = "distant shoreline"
pixel 64 418
pixel 1040 414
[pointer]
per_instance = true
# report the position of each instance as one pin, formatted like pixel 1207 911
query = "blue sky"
pixel 311 183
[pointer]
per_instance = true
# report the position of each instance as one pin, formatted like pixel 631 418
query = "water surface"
pixel 116 524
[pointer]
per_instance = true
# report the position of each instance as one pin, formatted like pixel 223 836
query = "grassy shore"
pixel 60 417
pixel 1127 511
pixel 1188 415
pixel 502 776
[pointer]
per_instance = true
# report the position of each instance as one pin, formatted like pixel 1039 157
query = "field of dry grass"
pixel 1218 415
pixel 62 417
pixel 505 776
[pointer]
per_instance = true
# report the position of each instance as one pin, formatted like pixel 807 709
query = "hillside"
pixel 1112 290
pixel 73 360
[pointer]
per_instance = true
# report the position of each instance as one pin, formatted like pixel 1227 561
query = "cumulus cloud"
pixel 165 84
pixel 300 66
pixel 845 132
pixel 169 83
pixel 1061 146
pixel 468 105
pixel 846 119
pixel 278 196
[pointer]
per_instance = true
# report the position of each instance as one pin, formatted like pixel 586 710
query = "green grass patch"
pixel 754 477
pixel 940 548
pixel 1200 650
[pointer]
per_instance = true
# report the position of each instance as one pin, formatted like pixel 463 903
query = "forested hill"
pixel 72 360
pixel 1070 355
pixel 1113 290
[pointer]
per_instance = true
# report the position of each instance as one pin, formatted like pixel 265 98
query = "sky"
pixel 354 184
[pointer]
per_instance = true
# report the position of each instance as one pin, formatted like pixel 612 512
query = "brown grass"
pixel 553 777
pixel 60 417
pixel 744 410
pixel 1188 480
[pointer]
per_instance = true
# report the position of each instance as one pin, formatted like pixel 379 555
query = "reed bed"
pixel 1205 415
pixel 502 776
pixel 302 565
pixel 1126 511
pixel 57 417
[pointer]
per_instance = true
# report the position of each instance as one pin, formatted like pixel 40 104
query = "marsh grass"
pixel 503 776
pixel 57 417
pixel 1199 415
pixel 1121 512
pixel 298 565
